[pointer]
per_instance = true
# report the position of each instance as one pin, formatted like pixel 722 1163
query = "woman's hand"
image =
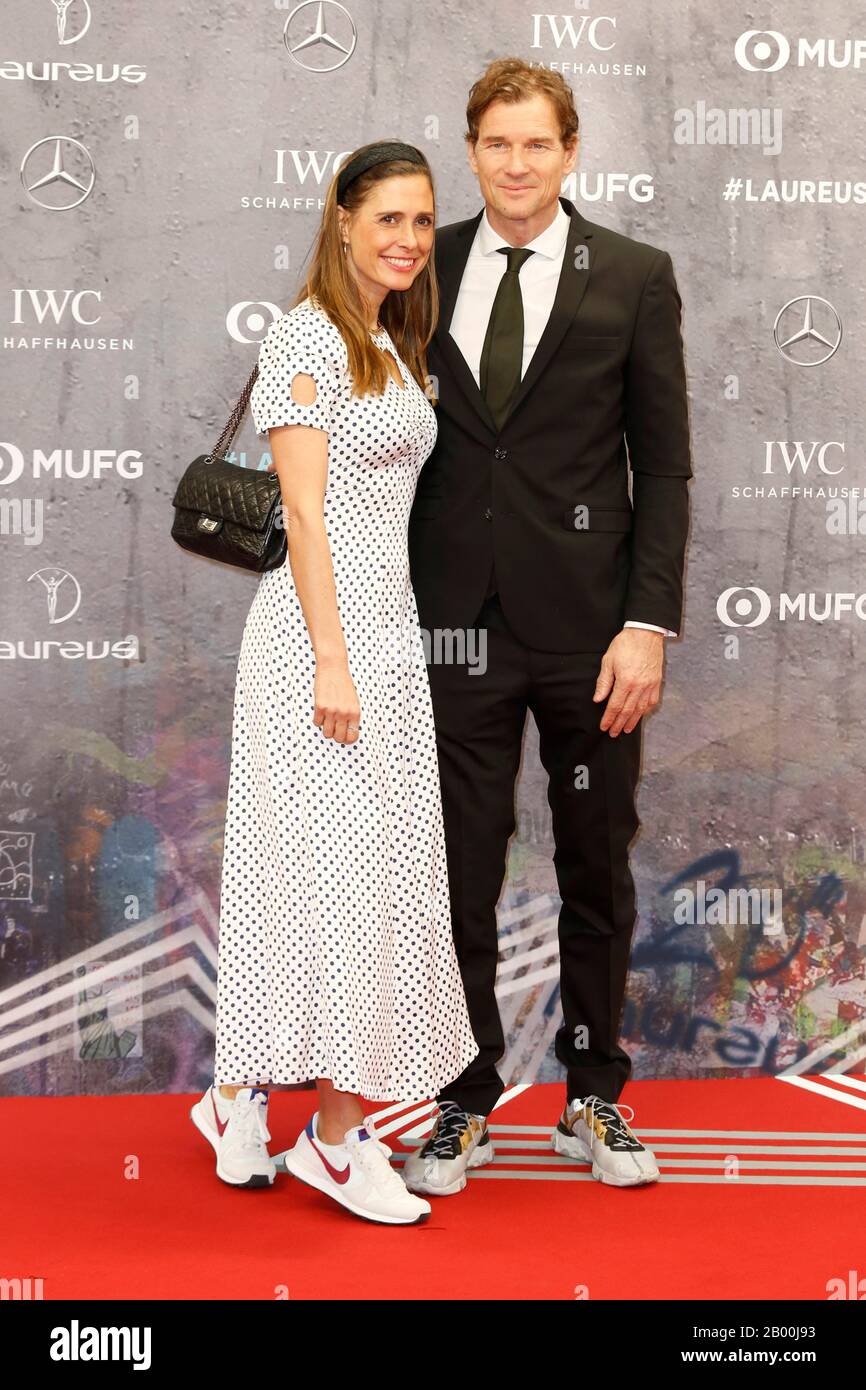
pixel 337 704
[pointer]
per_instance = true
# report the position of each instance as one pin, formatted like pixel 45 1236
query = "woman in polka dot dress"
pixel 336 956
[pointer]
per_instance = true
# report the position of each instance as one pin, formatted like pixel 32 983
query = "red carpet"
pixel 73 1218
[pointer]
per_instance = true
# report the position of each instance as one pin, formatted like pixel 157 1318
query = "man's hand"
pixel 631 669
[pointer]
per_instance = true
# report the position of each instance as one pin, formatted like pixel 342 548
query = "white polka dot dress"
pixel 336 957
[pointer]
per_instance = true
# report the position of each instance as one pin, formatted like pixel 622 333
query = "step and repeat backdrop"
pixel 163 171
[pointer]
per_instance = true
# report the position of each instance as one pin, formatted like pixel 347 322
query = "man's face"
pixel 519 158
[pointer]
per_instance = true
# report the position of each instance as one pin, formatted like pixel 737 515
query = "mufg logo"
pixel 21 1290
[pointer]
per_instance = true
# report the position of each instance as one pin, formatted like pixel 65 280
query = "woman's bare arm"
pixel 300 455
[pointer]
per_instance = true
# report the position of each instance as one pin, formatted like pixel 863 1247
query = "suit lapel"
pixel 569 293
pixel 450 270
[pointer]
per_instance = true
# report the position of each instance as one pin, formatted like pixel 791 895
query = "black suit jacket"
pixel 547 496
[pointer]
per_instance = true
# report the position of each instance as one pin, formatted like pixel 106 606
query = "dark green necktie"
pixel 502 354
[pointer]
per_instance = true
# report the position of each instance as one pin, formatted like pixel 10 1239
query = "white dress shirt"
pixel 539 278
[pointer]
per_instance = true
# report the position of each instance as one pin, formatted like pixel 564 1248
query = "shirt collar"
pixel 548 243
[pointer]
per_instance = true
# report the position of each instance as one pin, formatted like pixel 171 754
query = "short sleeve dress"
pixel 336 957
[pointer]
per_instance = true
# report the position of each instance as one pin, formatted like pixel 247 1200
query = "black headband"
pixel 380 153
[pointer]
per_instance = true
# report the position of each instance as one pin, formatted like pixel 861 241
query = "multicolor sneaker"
pixel 594 1129
pixel 458 1141
pixel 357 1174
pixel 238 1132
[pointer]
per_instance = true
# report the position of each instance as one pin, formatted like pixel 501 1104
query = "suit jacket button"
pixel 488 514
pixel 500 453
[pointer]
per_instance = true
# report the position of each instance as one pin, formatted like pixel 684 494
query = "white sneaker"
pixel 356 1174
pixel 594 1129
pixel 238 1132
pixel 457 1142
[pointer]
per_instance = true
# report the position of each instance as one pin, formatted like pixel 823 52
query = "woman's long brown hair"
pixel 409 315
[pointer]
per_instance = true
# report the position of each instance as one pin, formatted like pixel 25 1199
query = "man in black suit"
pixel 558 369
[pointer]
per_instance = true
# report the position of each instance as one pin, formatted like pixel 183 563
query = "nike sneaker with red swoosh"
pixel 357 1174
pixel 238 1132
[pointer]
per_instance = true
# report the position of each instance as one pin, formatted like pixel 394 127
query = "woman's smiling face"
pixel 391 234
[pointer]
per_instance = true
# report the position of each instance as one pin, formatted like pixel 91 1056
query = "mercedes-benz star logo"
pixel 315 50
pixel 805 343
pixel 76 155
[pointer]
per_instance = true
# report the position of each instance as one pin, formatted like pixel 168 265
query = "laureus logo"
pixel 62 593
pixel 73 20
pixel 61 606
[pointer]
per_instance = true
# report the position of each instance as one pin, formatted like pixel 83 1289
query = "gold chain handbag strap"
pixel 233 423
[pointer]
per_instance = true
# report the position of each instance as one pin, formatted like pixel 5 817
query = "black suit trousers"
pixel 480 718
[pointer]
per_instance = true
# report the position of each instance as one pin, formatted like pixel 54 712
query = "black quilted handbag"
pixel 227 512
